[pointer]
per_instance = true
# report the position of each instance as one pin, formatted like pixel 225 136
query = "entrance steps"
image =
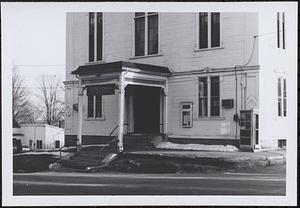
pixel 90 155
pixel 138 142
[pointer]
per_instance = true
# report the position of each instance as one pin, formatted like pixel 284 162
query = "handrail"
pixel 107 143
pixel 117 126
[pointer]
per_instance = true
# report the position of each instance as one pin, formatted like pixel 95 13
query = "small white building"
pixel 42 136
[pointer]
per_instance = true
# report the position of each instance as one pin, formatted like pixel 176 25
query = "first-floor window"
pixel 39 144
pixel 94 106
pixel 209 96
pixel 281 97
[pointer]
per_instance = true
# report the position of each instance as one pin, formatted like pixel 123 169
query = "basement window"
pixel 281 143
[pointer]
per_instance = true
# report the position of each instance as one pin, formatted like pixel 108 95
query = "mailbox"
pixel 227 103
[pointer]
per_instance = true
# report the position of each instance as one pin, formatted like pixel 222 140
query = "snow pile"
pixel 217 148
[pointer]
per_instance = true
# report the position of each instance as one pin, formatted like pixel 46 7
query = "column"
pixel 121 111
pixel 166 110
pixel 80 98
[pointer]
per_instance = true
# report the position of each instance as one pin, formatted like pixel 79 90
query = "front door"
pixel 146 104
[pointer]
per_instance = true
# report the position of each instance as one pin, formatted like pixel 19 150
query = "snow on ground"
pixel 217 148
pixel 56 154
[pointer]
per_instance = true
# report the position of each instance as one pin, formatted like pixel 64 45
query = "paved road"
pixel 55 183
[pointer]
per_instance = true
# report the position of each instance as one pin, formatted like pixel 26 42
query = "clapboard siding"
pixel 177 51
pixel 178 41
pixel 186 91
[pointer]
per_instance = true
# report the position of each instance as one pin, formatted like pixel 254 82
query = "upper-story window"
pixel 209 96
pixel 282 97
pixel 209 30
pixel 95 36
pixel 146 33
pixel 281 29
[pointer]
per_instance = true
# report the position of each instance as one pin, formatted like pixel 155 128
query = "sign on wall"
pixel 108 89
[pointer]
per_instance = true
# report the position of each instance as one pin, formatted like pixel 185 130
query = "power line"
pixel 35 65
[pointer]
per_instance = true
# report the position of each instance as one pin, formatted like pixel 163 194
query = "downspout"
pixel 236 95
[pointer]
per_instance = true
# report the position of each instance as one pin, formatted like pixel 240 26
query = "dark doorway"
pixel 146 104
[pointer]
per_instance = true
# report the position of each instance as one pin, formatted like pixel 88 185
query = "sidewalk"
pixel 250 159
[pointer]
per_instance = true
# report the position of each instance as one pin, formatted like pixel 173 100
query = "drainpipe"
pixel 236 95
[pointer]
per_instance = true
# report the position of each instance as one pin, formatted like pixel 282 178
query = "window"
pixel 95 36
pixel 203 96
pixel 39 144
pixel 94 106
pixel 282 97
pixel 209 30
pixel 215 96
pixel 209 96
pixel 279 30
pixel 282 143
pixel 186 115
pixel 146 33
pixel 283 31
pixel 57 144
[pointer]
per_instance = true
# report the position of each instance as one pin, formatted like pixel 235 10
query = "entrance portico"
pixel 142 92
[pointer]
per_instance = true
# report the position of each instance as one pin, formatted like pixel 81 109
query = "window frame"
pixel 189 110
pixel 209 29
pixel 146 33
pixel 281 100
pixel 281 30
pixel 95 42
pixel 94 108
pixel 209 96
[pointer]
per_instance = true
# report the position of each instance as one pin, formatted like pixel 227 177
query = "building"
pixel 207 77
pixel 42 136
pixel 18 136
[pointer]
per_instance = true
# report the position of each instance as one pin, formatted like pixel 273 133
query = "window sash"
pixel 90 106
pixel 284 98
pixel 98 105
pixel 140 36
pixel 203 92
pixel 215 96
pixel 203 30
pixel 91 36
pixel 153 34
pixel 278 30
pixel 283 30
pixel 99 36
pixel 215 29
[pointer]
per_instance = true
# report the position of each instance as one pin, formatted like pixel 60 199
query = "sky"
pixel 37 43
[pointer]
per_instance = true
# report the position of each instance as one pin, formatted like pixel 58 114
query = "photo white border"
pixel 7 177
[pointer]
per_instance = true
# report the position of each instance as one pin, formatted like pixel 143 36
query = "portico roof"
pixel 118 66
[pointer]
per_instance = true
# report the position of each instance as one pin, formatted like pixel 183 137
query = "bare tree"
pixel 19 100
pixel 52 109
pixel 22 109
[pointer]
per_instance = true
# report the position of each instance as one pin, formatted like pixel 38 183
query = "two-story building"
pixel 206 77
